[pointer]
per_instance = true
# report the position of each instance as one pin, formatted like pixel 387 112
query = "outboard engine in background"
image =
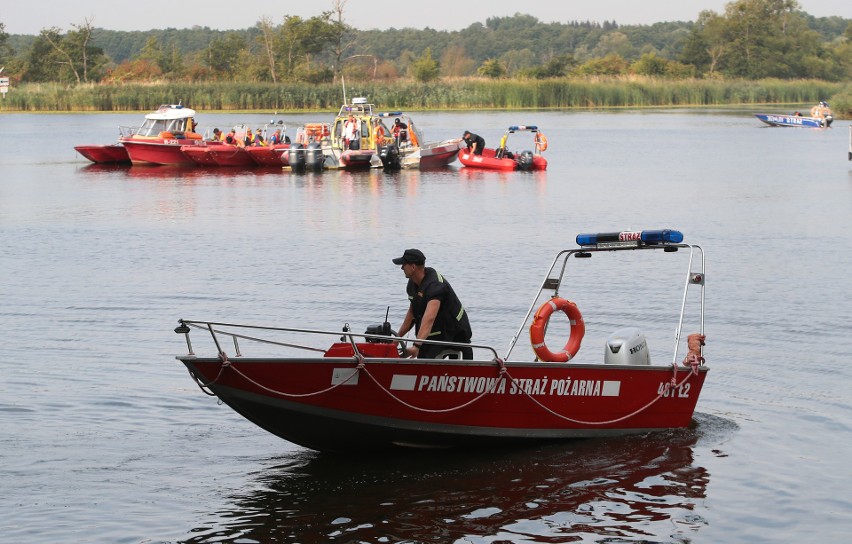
pixel 627 347
pixel 296 157
pixel 525 160
pixel 314 158
pixel 382 329
pixel 389 154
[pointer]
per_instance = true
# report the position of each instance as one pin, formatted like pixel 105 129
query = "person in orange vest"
pixel 379 134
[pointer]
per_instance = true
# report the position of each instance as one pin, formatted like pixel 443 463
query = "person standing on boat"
pixel 475 142
pixel 399 131
pixel 350 133
pixel 435 312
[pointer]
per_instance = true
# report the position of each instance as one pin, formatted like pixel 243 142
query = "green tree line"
pixel 752 39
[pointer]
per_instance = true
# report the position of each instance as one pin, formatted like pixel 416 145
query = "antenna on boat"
pixel 386 329
pixel 343 82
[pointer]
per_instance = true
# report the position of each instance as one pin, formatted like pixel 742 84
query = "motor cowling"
pixel 525 160
pixel 627 346
pixel 380 329
pixel 314 157
pixel 389 154
pixel 296 157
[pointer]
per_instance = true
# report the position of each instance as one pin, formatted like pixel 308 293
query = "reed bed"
pixel 471 93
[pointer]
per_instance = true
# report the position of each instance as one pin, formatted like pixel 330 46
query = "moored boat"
pixel 359 151
pixel 161 136
pixel 820 117
pixel 100 154
pixel 501 158
pixel 403 145
pixel 356 392
pixel 274 155
pixel 231 155
pixel 200 154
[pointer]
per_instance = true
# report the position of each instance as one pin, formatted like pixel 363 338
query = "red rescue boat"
pixel 102 154
pixel 501 158
pixel 360 394
pixel 161 136
pixel 270 155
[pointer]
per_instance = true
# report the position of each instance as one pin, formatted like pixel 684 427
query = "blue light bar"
pixel 630 238
pixel 513 128
pixel 665 236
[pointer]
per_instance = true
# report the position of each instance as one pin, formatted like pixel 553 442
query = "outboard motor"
pixel 296 157
pixel 525 161
pixel 389 154
pixel 314 158
pixel 382 329
pixel 627 347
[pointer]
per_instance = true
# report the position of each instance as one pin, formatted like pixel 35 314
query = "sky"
pixel 20 17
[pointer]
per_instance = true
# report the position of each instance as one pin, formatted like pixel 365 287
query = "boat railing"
pixel 235 333
pixel 555 275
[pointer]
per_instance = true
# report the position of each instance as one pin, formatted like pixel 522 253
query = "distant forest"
pixel 751 39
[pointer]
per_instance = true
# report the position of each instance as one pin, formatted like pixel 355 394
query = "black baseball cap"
pixel 412 256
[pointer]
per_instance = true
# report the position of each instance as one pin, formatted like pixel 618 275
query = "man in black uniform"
pixel 435 311
pixel 475 142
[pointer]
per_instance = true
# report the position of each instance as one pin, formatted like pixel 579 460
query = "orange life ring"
pixel 539 324
pixel 541 141
pixel 166 135
pixel 379 135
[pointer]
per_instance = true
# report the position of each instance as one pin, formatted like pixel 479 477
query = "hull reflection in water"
pixel 630 487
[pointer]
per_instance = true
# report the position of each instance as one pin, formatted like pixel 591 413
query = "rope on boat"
pixel 693 362
pixel 439 410
pixel 300 395
pixel 204 386
pixel 673 385
pixel 226 363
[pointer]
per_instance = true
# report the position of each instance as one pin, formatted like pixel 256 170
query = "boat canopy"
pixel 171 111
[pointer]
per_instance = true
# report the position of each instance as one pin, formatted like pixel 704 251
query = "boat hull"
pixel 332 404
pixel 272 155
pixel 199 154
pixel 489 161
pixel 776 120
pixel 157 151
pixel 113 153
pixel 357 159
pixel 231 155
pixel 436 155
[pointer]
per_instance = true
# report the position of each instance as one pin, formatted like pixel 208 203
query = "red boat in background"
pixel 103 154
pixel 161 136
pixel 359 393
pixel 503 159
pixel 200 154
pixel 270 155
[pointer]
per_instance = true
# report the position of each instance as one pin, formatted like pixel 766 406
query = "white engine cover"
pixel 627 347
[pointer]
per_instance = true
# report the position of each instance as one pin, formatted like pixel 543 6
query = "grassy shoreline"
pixel 462 94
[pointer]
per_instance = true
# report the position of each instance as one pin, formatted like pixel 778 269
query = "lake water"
pixel 105 438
